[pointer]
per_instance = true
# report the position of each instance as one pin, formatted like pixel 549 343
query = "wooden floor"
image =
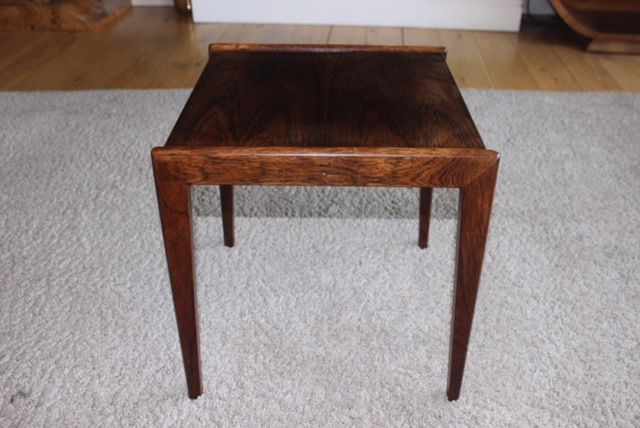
pixel 154 47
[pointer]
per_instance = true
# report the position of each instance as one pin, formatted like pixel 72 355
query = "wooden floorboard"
pixel 155 47
pixel 502 60
pixel 544 65
pixel 465 60
pixel 348 36
pixel 384 36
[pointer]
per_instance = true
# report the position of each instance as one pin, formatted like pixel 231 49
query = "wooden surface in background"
pixel 156 47
pixel 67 15
pixel 612 25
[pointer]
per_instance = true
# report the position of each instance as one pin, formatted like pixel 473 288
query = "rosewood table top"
pixel 326 96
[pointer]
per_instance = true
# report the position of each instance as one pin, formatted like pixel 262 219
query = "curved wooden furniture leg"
pixel 615 46
pixel 226 204
pixel 174 202
pixel 425 216
pixel 476 200
pixel 612 25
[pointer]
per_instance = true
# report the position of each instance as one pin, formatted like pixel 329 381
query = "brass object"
pixel 184 6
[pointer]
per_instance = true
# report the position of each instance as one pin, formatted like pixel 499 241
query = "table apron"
pixel 370 167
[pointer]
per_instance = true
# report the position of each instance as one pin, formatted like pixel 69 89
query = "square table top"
pixel 325 96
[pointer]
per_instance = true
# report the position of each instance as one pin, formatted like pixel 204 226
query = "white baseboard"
pixel 152 2
pixel 499 15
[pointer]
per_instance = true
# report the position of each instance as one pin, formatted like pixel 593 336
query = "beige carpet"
pixel 325 313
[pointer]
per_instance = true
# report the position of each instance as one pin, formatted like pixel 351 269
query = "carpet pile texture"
pixel 326 313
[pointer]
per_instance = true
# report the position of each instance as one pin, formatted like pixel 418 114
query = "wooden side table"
pixel 325 116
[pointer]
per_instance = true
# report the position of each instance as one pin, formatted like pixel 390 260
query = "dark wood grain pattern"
pixel 67 15
pixel 425 216
pixel 474 212
pixel 226 205
pixel 215 48
pixel 325 116
pixel 359 166
pixel 326 97
pixel 174 202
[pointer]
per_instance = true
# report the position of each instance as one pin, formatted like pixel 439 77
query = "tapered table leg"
pixel 476 200
pixel 425 216
pixel 174 202
pixel 226 204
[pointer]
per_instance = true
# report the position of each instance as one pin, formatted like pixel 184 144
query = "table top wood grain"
pixel 325 96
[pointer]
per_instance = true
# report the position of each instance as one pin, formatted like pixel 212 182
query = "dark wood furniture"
pixel 66 15
pixel 613 26
pixel 325 116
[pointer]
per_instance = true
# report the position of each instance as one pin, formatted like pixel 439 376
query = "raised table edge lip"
pixel 319 48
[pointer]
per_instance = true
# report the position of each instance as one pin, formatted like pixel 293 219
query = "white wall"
pixel 538 7
pixel 501 15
